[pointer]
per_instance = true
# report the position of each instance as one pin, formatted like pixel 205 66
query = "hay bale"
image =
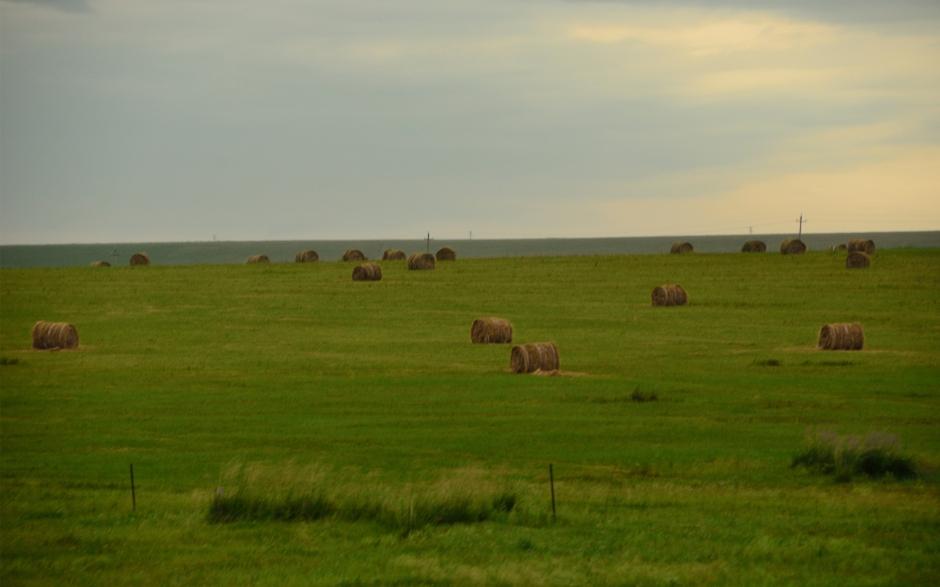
pixel 861 245
pixel 393 255
pixel 367 272
pixel 792 246
pixel 54 335
pixel 534 356
pixel 308 256
pixel 857 260
pixel 258 259
pixel 681 248
pixel 491 330
pixel 669 294
pixel 353 255
pixel 841 337
pixel 446 254
pixel 100 264
pixel 754 247
pixel 140 259
pixel 420 261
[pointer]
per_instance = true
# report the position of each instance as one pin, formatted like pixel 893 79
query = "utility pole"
pixel 429 243
pixel 801 221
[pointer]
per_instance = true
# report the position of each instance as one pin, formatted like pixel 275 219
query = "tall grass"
pixel 874 455
pixel 307 493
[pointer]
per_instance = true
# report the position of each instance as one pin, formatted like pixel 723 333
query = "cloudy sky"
pixel 134 120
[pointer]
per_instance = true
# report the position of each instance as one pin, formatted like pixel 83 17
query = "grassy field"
pixel 290 384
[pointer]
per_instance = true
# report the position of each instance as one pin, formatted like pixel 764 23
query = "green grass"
pixel 373 444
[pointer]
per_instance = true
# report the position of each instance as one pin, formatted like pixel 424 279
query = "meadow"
pixel 289 426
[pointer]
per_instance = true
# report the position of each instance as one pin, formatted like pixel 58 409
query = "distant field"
pixel 372 388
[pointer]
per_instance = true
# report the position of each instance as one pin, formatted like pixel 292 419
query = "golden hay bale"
pixel 754 247
pixel 681 248
pixel 140 259
pixel 421 261
pixel 669 294
pixel 446 254
pixel 857 260
pixel 258 259
pixel 841 337
pixel 491 330
pixel 861 245
pixel 367 272
pixel 353 255
pixel 54 335
pixel 308 256
pixel 100 264
pixel 534 356
pixel 792 246
pixel 393 255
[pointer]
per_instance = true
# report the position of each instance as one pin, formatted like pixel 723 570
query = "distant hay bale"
pixel 681 248
pixel 367 272
pixel 792 246
pixel 258 259
pixel 841 337
pixel 861 245
pixel 54 335
pixel 420 261
pixel 534 356
pixel 857 260
pixel 393 255
pixel 491 330
pixel 308 256
pixel 100 264
pixel 754 247
pixel 353 255
pixel 140 259
pixel 446 254
pixel 669 294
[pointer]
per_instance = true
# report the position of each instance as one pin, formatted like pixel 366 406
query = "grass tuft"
pixel 9 361
pixel 767 363
pixel 639 395
pixel 875 455
pixel 300 494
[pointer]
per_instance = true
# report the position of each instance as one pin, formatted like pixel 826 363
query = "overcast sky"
pixel 135 120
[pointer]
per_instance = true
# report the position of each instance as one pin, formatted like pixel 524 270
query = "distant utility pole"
pixel 801 221
pixel 470 235
pixel 750 229
pixel 429 243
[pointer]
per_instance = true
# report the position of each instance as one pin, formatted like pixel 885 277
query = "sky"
pixel 140 121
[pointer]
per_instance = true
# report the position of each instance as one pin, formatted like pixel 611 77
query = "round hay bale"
pixel 258 259
pixel 792 246
pixel 420 261
pixel 534 356
pixel 367 272
pixel 54 335
pixel 681 248
pixel 857 260
pixel 491 330
pixel 308 256
pixel 353 255
pixel 754 247
pixel 446 254
pixel 140 259
pixel 841 337
pixel 100 264
pixel 861 245
pixel 669 294
pixel 393 255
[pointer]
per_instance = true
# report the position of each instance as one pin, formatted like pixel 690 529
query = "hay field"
pixel 671 430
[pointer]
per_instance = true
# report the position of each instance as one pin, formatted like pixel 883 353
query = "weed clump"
pixel 9 361
pixel 767 363
pixel 875 455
